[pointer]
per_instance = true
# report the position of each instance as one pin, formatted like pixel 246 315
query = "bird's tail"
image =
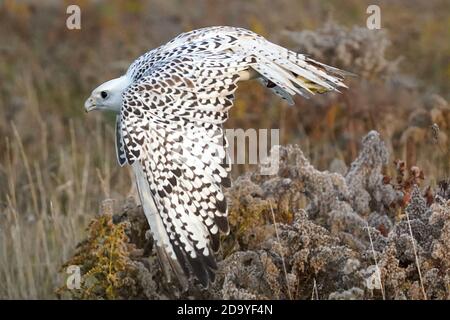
pixel 288 73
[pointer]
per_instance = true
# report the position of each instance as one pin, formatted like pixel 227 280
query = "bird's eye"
pixel 104 94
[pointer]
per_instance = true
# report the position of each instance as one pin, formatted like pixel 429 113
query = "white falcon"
pixel 171 105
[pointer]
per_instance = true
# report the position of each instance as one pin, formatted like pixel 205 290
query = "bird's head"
pixel 108 96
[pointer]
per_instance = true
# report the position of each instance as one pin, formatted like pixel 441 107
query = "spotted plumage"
pixel 172 105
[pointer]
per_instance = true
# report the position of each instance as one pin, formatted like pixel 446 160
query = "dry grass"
pixel 48 204
pixel 282 254
pixel 377 270
pixel 416 257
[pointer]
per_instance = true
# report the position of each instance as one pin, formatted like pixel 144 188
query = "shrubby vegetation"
pixel 57 165
pixel 360 236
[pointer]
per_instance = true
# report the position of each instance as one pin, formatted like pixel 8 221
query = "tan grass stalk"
pixel 281 251
pixel 315 293
pixel 378 271
pixel 416 256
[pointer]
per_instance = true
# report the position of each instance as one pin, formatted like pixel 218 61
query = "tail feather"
pixel 292 73
pixel 279 76
pixel 277 90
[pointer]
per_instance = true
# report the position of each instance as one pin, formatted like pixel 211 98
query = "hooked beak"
pixel 89 105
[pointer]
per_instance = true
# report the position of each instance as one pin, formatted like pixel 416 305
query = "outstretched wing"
pixel 171 128
pixel 170 131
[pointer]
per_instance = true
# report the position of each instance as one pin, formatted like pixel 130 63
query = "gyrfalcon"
pixel 171 105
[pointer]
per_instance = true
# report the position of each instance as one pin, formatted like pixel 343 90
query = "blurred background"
pixel 57 164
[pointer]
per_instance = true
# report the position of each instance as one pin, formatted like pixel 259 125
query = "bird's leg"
pixel 248 74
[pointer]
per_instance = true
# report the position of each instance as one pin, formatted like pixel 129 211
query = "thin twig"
pixel 378 271
pixel 315 293
pixel 281 250
pixel 416 256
